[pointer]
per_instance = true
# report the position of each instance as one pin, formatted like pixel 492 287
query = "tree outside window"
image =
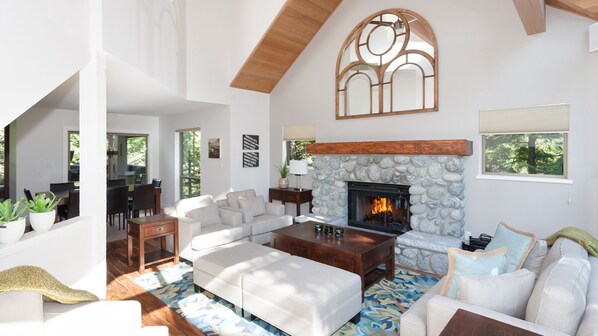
pixel 297 150
pixel 190 163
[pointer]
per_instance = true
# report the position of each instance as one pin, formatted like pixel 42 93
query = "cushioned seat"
pixel 301 296
pixel 219 234
pixel 221 269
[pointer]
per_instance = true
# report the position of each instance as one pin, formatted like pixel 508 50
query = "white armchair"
pixel 261 216
pixel 203 225
pixel 32 317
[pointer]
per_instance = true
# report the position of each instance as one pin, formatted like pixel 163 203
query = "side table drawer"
pixel 160 229
pixel 337 261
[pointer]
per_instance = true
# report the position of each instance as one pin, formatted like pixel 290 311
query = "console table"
pixel 292 195
pixel 157 226
pixel 466 323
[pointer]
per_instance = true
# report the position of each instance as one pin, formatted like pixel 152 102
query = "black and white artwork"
pixel 251 142
pixel 251 159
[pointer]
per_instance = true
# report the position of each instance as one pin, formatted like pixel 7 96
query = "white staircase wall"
pixel 150 36
pixel 44 42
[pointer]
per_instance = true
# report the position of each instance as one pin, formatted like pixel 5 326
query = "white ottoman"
pixel 220 269
pixel 301 296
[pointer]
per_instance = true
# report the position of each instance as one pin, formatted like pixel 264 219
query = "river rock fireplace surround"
pixel 433 171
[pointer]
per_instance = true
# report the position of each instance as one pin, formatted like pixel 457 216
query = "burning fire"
pixel 381 205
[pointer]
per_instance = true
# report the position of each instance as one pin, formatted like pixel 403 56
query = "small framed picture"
pixel 251 159
pixel 251 142
pixel 214 148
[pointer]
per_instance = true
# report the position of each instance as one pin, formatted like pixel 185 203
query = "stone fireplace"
pixel 432 172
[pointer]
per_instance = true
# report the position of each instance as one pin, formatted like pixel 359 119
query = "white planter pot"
pixel 42 221
pixel 13 231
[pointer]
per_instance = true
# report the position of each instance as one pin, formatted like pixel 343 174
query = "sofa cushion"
pixel 232 198
pixel 207 215
pixel 561 247
pixel 506 293
pixel 536 256
pixel 185 205
pixel 219 234
pixel 472 263
pixel 558 300
pixel 255 204
pixel 518 244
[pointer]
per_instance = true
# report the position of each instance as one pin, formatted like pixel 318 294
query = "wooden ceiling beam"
pixel 586 8
pixel 291 31
pixel 532 14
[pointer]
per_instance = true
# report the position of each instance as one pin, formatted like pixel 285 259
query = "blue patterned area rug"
pixel 384 303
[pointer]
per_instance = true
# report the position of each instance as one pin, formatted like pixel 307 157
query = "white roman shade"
pixel 535 119
pixel 299 132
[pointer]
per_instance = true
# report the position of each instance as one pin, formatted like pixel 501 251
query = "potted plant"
pixel 12 225
pixel 42 211
pixel 283 170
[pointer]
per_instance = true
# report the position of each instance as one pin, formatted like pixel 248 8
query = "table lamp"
pixel 298 168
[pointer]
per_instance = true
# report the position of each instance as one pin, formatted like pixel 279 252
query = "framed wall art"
pixel 214 148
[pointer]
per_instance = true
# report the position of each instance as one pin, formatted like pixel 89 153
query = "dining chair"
pixel 54 187
pixel 157 182
pixel 143 199
pixel 116 182
pixel 28 194
pixel 73 207
pixel 117 204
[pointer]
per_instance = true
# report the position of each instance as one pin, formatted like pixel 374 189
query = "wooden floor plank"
pixel 121 287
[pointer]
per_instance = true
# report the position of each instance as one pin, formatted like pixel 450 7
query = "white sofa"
pixel 203 225
pixel 564 300
pixel 23 313
pixel 261 216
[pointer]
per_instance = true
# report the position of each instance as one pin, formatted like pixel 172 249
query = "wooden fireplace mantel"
pixel 409 147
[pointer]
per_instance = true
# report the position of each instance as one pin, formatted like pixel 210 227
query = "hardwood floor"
pixel 121 287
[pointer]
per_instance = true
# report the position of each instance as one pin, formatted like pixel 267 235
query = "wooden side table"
pixel 157 226
pixel 292 195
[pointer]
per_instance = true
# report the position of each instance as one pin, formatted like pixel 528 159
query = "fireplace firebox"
pixel 378 206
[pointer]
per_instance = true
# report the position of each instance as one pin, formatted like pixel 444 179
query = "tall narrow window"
pixel 4 194
pixel 295 141
pixel 190 141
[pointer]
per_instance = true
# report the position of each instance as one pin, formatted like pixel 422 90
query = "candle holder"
pixel 318 228
pixel 328 230
pixel 339 232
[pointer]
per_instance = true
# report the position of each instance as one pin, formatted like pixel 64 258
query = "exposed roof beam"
pixel 532 14
pixel 291 31
pixel 587 8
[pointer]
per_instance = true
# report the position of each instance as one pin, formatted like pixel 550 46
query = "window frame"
pixel 525 177
pixel 182 176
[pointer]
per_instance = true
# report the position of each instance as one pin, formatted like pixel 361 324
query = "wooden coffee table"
pixel 360 252
pixel 466 323
pixel 157 226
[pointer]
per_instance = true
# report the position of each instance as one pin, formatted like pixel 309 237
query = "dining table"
pixel 64 196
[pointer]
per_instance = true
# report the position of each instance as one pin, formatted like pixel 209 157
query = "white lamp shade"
pixel 298 167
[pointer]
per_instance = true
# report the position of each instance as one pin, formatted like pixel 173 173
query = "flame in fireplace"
pixel 381 205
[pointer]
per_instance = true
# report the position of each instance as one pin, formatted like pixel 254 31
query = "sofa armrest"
pixel 230 217
pixel 93 318
pixel 247 215
pixel 275 209
pixel 442 308
pixel 188 228
pixel 21 313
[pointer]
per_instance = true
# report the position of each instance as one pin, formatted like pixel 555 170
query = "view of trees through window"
pixel 126 157
pixel 525 154
pixel 297 150
pixel 2 163
pixel 190 163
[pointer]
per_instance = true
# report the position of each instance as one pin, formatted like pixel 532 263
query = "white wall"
pixel 41 145
pixel 149 35
pixel 485 61
pixel 43 44
pixel 215 173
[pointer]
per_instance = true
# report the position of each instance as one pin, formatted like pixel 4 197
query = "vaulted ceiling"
pixel 299 20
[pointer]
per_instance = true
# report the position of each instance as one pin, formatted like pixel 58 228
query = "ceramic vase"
pixel 12 231
pixel 42 221
pixel 283 183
